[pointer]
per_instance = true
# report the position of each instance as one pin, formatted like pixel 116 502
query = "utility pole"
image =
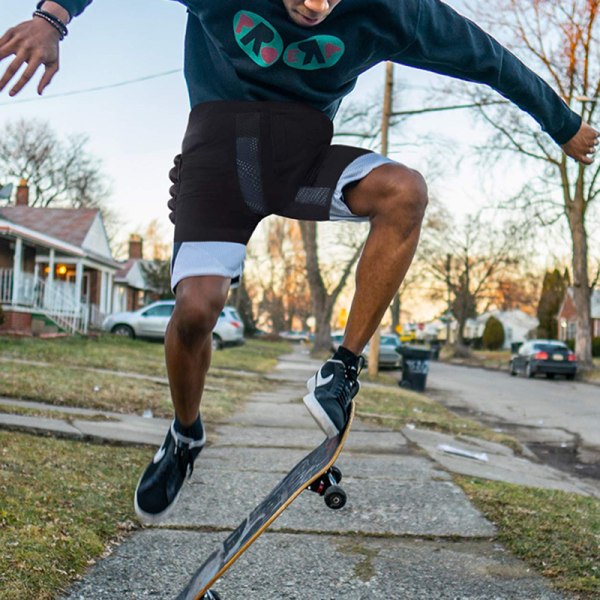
pixel 385 129
pixel 448 290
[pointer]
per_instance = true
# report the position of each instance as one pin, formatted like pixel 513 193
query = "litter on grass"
pixel 481 456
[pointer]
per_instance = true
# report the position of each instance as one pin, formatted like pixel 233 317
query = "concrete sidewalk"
pixel 407 531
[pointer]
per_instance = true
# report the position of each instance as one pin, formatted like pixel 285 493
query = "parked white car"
pixel 151 322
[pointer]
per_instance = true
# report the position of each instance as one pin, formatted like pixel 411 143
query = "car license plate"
pixel 558 357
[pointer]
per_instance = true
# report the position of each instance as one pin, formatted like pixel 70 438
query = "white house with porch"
pixel 56 266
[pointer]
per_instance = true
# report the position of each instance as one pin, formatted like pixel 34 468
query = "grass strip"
pixel 137 356
pixel 395 407
pixel 25 411
pixel 62 386
pixel 62 503
pixel 557 533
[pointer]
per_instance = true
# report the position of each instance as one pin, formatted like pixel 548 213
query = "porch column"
pixel 17 271
pixel 50 279
pixel 103 275
pixel 78 284
pixel 110 294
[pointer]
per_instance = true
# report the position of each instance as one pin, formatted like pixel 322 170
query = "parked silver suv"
pixel 151 322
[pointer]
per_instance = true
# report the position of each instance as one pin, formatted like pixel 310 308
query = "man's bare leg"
pixel 394 198
pixel 199 302
pixel 188 347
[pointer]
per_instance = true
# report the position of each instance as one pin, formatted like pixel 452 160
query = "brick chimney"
pixel 135 247
pixel 22 194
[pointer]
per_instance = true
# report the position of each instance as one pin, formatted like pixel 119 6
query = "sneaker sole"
pixel 154 518
pixel 319 415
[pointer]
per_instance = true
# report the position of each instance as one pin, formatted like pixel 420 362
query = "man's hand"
pixel 582 145
pixel 35 43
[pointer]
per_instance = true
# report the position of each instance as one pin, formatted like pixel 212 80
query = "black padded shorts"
pixel 242 161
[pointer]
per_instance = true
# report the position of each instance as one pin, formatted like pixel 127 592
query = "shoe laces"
pixel 343 387
pixel 185 457
pixel 352 373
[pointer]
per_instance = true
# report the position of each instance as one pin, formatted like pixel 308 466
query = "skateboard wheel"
pixel 335 497
pixel 337 474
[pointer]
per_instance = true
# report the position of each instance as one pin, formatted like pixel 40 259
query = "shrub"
pixel 595 346
pixel 493 334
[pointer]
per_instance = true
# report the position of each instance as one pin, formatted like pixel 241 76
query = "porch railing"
pixel 57 300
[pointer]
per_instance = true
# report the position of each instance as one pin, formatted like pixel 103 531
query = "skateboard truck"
pixel 210 595
pixel 327 486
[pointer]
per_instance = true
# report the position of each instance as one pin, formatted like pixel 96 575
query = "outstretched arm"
pixel 34 43
pixel 445 42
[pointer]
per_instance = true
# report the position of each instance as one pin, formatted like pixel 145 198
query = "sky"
pixel 135 130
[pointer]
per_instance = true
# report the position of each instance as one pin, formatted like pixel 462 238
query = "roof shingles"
pixel 70 225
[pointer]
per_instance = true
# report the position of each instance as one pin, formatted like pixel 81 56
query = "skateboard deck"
pixel 315 472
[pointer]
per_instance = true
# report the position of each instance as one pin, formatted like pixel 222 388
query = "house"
pixel 518 326
pixel 57 270
pixel 131 290
pixel 56 267
pixel 567 316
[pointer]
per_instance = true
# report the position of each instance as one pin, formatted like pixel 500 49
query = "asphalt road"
pixel 536 410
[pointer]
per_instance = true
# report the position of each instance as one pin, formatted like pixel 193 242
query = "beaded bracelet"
pixel 57 23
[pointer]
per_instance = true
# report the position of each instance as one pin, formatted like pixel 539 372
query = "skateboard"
pixel 315 472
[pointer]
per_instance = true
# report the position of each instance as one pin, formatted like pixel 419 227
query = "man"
pixel 265 78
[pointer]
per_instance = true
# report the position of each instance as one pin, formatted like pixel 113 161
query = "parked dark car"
pixel 547 357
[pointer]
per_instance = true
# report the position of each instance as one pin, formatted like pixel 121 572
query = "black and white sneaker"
pixel 159 487
pixel 331 391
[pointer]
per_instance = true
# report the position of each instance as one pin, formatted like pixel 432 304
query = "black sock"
pixel 347 357
pixel 195 431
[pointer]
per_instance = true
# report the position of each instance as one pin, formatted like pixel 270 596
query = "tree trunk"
pixel 581 282
pixel 322 300
pixel 243 304
pixel 322 307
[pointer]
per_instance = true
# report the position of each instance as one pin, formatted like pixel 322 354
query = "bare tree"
pixel 324 296
pixel 280 277
pixel 469 261
pixel 59 173
pixel 561 39
pixel 239 297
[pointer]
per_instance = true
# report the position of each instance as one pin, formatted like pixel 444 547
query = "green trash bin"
pixel 415 367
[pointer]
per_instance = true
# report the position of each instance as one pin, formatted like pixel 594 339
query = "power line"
pixel 94 89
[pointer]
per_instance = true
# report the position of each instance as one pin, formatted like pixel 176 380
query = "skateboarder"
pixel 265 78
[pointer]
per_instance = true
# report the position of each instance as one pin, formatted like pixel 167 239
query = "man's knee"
pixel 392 191
pixel 404 192
pixel 197 308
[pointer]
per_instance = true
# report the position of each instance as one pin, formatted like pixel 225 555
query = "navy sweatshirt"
pixel 252 50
